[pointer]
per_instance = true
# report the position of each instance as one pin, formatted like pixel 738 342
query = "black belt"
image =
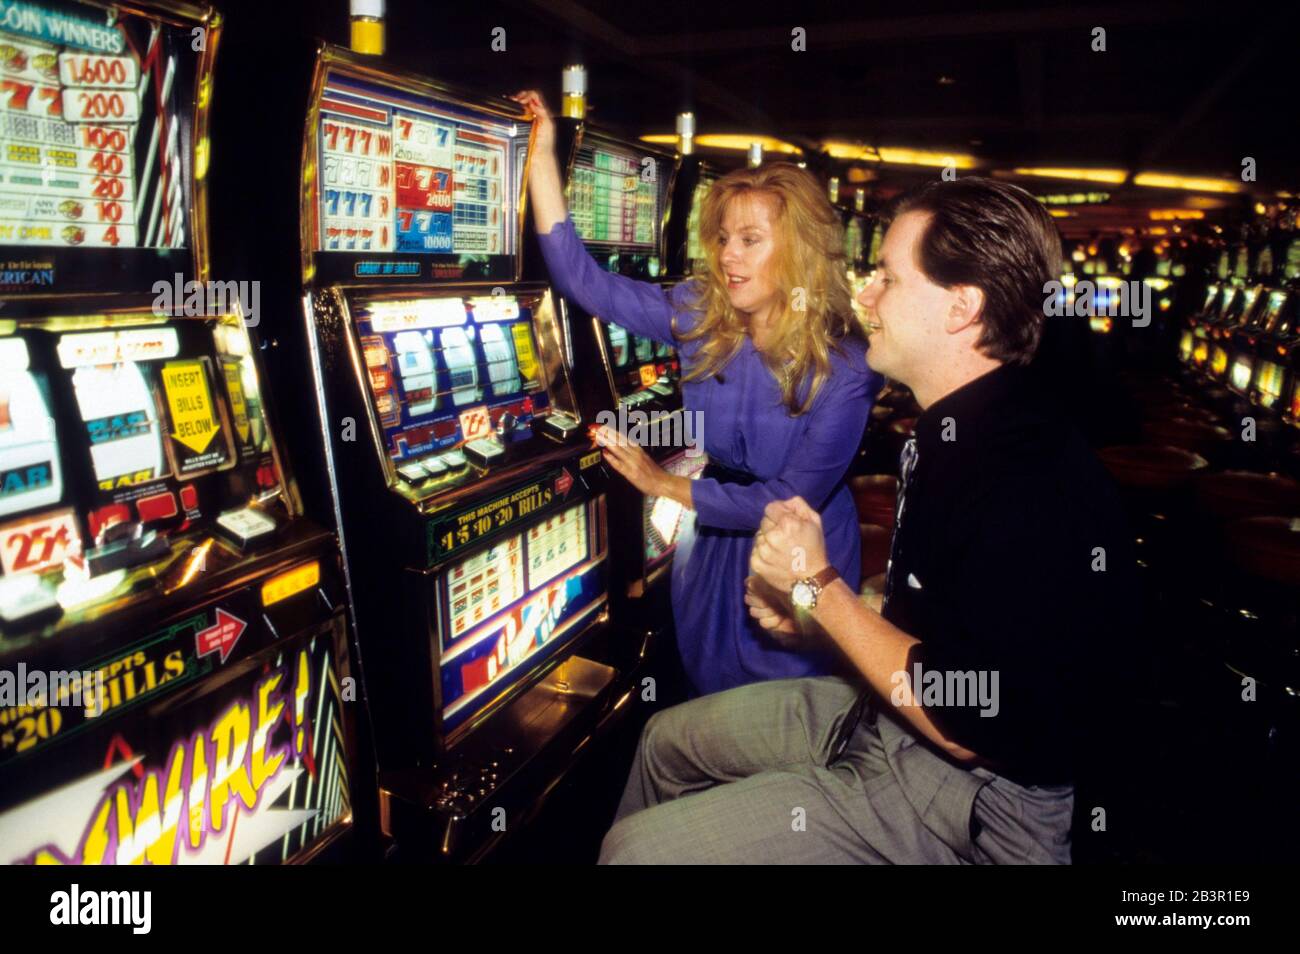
pixel 864 710
pixel 728 475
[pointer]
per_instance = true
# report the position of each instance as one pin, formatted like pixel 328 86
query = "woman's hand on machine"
pixel 631 461
pixel 532 101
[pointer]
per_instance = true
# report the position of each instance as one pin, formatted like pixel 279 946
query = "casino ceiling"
pixel 1181 88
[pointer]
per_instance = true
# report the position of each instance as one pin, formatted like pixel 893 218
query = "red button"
pixel 157 506
pixel 189 497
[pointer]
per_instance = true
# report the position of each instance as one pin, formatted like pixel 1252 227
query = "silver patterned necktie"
pixel 906 465
pixel 863 707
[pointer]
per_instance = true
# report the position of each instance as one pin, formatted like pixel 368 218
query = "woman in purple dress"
pixel 775 372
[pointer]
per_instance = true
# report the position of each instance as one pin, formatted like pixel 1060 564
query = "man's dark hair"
pixel 998 238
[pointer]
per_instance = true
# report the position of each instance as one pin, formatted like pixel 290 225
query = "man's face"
pixel 909 308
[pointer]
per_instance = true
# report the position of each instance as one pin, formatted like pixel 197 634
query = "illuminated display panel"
pixel 1293 412
pixel 1185 344
pixel 1276 299
pixel 1229 301
pixel 412 176
pixel 95 148
pixel 443 371
pixel 1219 361
pixel 1248 297
pixel 1210 295
pixel 616 196
pixel 662 517
pixel 513 605
pixel 1239 377
pixel 168 416
pixel 1268 386
pixel 695 254
pixel 635 362
pixel 853 241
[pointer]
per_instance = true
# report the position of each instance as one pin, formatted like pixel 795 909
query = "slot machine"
pixel 620 192
pixel 182 627
pixel 1249 352
pixel 470 498
pixel 1237 314
pixel 1194 337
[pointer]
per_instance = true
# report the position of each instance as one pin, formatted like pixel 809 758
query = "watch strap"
pixel 826 577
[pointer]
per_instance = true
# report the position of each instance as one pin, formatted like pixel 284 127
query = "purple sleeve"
pixel 835 426
pixel 642 308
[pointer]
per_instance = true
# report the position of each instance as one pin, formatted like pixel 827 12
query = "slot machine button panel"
pixel 412 473
pixel 486 451
pixel 246 527
pixel 560 426
pixel 455 460
pixel 27 602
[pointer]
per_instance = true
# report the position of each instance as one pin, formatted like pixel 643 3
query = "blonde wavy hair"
pixel 808 255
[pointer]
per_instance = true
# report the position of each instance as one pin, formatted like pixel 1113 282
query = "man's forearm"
pixel 878 650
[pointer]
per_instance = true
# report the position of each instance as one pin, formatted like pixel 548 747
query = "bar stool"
pixel 1155 484
pixel 875 496
pixel 1238 494
pixel 1210 441
pixel 1262 633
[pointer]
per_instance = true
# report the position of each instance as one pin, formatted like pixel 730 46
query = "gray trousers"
pixel 741 777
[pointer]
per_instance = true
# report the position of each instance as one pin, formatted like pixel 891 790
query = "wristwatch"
pixel 805 592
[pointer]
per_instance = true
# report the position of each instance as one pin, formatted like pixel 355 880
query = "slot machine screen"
pixel 1242 369
pixel 1293 411
pixel 409 186
pixel 507 608
pixel 1276 299
pixel 1242 267
pixel 662 517
pixel 616 199
pixel 1269 383
pixel 1248 304
pixel 1211 294
pixel 96 179
pixel 853 241
pixel 695 255
pixel 1230 298
pixel 635 362
pixel 170 420
pixel 444 371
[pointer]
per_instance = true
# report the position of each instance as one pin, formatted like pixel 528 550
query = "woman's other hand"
pixel 545 190
pixel 532 101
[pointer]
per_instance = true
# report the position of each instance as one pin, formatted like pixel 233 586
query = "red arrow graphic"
pixel 222 635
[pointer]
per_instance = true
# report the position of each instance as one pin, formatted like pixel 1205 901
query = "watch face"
pixel 801 595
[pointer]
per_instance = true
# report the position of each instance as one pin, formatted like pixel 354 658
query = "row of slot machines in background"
pixel 1245 337
pixel 507 590
pixel 173 630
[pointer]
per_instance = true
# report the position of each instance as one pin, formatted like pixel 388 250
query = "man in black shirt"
pixel 958 736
